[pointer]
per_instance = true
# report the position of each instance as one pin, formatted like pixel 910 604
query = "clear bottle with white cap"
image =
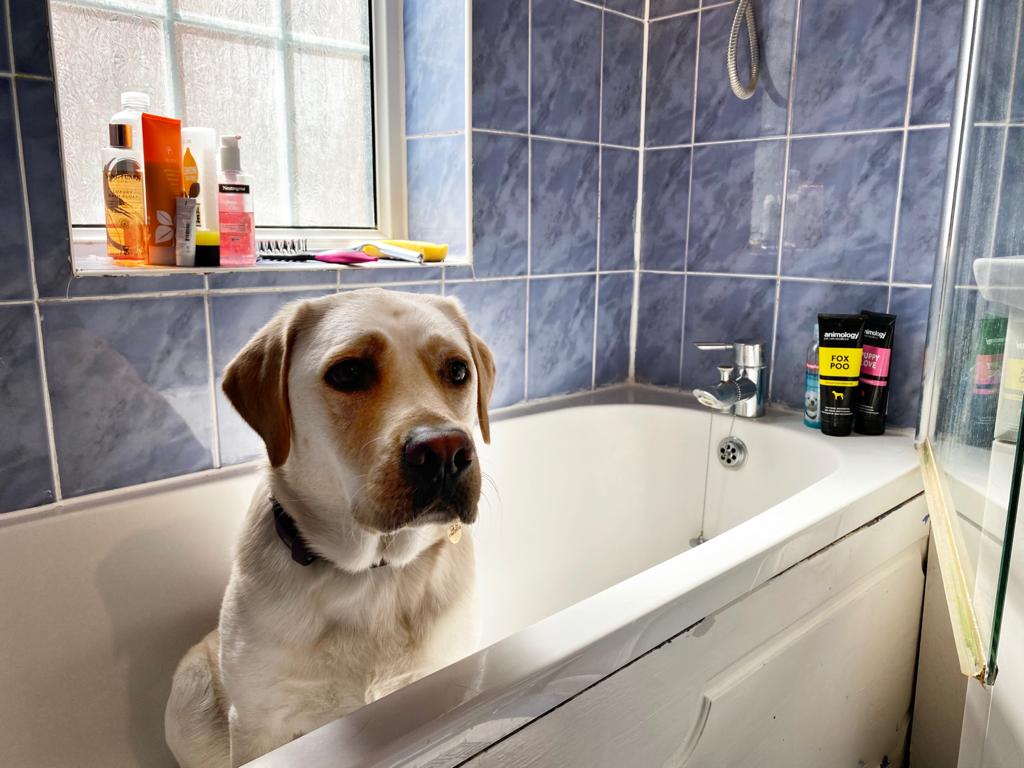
pixel 234 204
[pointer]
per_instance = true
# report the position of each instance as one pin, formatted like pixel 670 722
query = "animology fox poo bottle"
pixel 839 356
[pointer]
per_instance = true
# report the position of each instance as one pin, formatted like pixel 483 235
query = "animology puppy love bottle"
pixel 839 356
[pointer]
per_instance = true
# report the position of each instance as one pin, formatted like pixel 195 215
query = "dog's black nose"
pixel 434 458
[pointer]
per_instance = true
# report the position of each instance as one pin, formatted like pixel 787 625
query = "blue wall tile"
pixel 353 276
pixel 800 303
pixel 272 278
pixel 720 115
pixel 566 69
pixel 563 207
pixel 623 68
pixel 234 320
pixel 45 177
pixel 436 169
pixel 993 66
pixel 5 59
pixel 129 389
pixel 736 209
pixel 14 258
pixel 935 69
pixel 979 202
pixel 1009 236
pixel 840 206
pixel 497 312
pixel 659 328
pixel 561 341
pixel 910 305
pixel 435 54
pixel 614 314
pixel 671 59
pixel 632 7
pixel 665 7
pixel 852 64
pixel 924 177
pixel 724 309
pixel 30 26
pixel 501 64
pixel 666 184
pixel 501 191
pixel 619 168
pixel 25 454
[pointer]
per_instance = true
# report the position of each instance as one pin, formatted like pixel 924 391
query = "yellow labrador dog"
pixel 350 578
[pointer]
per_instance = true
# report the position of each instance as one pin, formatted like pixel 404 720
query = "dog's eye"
pixel 458 372
pixel 351 374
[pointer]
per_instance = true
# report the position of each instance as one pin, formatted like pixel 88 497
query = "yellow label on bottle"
pixel 839 366
pixel 1013 376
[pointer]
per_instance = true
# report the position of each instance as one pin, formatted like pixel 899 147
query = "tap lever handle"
pixel 713 346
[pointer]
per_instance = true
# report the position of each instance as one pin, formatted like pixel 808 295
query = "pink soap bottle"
pixel 234 206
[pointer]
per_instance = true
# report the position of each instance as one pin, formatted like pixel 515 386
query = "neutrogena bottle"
pixel 235 209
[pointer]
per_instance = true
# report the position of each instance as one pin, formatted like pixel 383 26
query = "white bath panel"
pixel 813 670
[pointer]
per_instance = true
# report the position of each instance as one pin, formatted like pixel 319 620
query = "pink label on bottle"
pixel 237 231
pixel 986 373
pixel 875 364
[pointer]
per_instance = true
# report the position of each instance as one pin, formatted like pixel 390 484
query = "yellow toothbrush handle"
pixel 430 251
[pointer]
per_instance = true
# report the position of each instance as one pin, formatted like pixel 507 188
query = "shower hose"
pixel 744 13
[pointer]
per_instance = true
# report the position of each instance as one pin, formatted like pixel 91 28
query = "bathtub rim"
pixel 589 640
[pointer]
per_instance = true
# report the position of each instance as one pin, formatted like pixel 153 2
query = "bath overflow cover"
pixel 732 452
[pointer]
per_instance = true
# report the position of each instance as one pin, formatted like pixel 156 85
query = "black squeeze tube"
pixel 873 390
pixel 839 357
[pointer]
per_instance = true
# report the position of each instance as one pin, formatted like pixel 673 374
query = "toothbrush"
pixel 385 250
pixel 344 257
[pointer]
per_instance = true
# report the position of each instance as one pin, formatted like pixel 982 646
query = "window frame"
pixel 387 86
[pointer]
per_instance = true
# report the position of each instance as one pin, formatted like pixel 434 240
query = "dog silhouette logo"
pixel 839 395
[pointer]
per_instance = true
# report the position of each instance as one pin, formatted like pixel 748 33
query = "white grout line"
pixel 903 154
pixel 791 97
pixel 529 195
pixel 545 137
pixel 692 11
pixel 591 4
pixel 689 196
pixel 600 189
pixel 638 209
pixel 994 222
pixel 784 137
pixel 44 380
pixel 435 134
pixel 211 374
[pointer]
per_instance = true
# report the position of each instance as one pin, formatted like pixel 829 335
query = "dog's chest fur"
pixel 307 645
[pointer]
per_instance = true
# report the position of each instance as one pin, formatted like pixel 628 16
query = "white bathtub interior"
pixel 644 476
pixel 101 599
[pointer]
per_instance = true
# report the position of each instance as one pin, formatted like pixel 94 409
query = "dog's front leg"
pixel 253 735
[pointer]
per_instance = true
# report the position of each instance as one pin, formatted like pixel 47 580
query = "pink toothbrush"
pixel 344 257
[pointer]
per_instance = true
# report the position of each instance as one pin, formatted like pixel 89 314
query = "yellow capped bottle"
pixel 124 198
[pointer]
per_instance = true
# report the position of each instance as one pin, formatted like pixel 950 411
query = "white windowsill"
pixel 89 258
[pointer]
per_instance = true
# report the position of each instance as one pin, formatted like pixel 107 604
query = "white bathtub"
pixel 586 544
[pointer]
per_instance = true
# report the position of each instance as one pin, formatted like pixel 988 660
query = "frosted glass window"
pixel 293 77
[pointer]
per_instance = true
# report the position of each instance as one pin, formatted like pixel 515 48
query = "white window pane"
pixel 235 84
pixel 98 55
pixel 342 20
pixel 262 14
pixel 332 132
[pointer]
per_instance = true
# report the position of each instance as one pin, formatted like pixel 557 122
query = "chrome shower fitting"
pixel 744 12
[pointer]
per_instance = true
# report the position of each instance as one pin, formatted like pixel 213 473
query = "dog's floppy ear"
pixel 485 371
pixel 256 383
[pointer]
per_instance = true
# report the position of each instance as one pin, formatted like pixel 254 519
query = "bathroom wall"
pixel 109 382
pixel 821 193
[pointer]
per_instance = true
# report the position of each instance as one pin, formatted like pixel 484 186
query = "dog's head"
pixel 366 402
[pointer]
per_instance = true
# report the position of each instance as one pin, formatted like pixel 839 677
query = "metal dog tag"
pixel 455 532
